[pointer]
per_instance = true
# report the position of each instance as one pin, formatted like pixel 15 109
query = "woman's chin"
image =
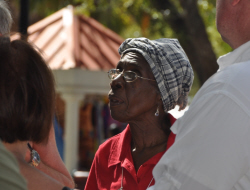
pixel 118 116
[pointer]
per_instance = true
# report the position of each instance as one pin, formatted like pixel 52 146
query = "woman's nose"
pixel 117 83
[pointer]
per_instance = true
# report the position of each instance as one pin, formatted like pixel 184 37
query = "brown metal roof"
pixel 70 41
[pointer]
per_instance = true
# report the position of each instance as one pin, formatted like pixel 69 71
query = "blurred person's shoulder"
pixel 10 177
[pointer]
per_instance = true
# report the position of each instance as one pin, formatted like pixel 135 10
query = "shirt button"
pixel 138 180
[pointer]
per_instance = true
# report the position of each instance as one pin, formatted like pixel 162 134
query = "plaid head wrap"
pixel 170 66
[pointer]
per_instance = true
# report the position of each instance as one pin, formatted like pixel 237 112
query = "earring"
pixel 157 112
pixel 35 157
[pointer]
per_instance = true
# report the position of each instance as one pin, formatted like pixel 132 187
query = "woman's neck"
pixel 149 134
pixel 18 148
pixel 149 138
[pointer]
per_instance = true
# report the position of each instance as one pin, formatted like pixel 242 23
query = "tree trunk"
pixel 191 32
pixel 24 18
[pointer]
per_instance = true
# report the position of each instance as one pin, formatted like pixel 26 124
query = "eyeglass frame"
pixel 122 74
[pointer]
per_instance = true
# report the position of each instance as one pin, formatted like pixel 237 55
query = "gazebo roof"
pixel 75 41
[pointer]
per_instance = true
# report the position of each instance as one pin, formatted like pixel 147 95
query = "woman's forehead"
pixel 133 58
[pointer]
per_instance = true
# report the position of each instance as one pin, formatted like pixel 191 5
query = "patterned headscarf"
pixel 170 66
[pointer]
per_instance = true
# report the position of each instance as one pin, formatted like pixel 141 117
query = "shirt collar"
pixel 121 146
pixel 238 55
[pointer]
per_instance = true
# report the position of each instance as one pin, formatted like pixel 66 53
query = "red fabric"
pixel 115 153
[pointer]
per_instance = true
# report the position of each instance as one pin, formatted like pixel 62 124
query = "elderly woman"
pixel 151 78
pixel 27 99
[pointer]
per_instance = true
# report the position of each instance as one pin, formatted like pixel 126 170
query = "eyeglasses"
pixel 129 76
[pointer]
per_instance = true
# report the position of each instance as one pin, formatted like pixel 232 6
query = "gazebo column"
pixel 71 137
pixel 73 85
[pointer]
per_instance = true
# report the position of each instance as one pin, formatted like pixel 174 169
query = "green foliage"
pixel 195 86
pixel 43 8
pixel 128 18
pixel 133 18
pixel 48 6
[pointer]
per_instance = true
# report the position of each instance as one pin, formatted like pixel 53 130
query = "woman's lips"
pixel 114 101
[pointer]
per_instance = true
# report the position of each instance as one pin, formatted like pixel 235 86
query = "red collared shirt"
pixel 115 154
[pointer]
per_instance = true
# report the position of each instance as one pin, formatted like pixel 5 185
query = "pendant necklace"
pixel 121 188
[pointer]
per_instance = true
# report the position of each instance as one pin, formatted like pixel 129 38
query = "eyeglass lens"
pixel 128 76
pixel 113 73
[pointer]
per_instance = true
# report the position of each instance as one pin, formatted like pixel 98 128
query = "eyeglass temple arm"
pixel 145 78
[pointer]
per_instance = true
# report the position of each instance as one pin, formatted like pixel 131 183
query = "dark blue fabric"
pixel 59 137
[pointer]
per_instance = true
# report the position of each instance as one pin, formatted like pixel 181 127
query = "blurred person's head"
pixel 5 19
pixel 233 21
pixel 26 95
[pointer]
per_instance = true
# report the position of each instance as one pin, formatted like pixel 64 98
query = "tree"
pixel 191 32
pixel 24 15
pixel 38 9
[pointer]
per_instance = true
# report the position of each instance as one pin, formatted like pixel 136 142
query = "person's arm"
pixel 211 150
pixel 51 162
